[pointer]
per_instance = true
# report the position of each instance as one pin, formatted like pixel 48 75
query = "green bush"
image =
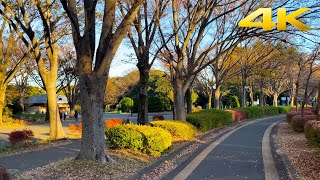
pixel 156 139
pixel 152 140
pixel 255 111
pixel 179 130
pixel 121 137
pixel 284 109
pixel 209 119
pixel 270 110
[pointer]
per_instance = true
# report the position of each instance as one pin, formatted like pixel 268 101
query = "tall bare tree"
pixel 23 16
pixel 202 29
pixel 93 64
pixel 141 35
pixel 10 61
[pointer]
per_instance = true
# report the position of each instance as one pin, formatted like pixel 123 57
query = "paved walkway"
pixel 239 155
pixel 30 160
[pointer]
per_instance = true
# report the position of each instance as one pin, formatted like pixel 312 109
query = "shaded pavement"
pixel 239 156
pixel 30 160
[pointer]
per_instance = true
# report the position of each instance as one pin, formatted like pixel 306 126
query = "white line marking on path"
pixel 196 161
pixel 270 170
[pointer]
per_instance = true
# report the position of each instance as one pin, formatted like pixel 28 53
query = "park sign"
pixel 268 24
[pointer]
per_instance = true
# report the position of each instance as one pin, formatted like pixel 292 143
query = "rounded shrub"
pixel 179 130
pixel 152 140
pixel 312 132
pixel 298 122
pixel 112 122
pixel 120 137
pixel 157 117
pixel 156 139
pixel 21 137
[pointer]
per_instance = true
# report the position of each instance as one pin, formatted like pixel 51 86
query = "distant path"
pixel 239 155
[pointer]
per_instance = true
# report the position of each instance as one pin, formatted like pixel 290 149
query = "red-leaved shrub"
pixel 75 128
pixel 110 123
pixel 157 117
pixel 20 137
pixel 238 115
pixel 306 109
pixel 296 113
pixel 3 174
pixel 298 122
pixel 312 132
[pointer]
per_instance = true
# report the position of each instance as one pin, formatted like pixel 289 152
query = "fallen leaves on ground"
pixel 304 157
pixel 127 164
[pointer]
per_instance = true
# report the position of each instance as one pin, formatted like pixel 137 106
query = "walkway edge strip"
pixel 270 169
pixel 196 161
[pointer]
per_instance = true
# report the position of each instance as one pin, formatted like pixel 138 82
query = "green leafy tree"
pixel 126 104
pixel 234 102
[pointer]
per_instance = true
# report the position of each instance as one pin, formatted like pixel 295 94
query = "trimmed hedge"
pixel 120 137
pixel 270 110
pixel 154 139
pixel 296 113
pixel 298 122
pixel 210 118
pixel 179 130
pixel 312 132
pixel 284 109
pixel 239 115
pixel 255 111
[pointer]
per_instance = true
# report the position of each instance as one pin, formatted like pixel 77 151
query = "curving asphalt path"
pixel 238 156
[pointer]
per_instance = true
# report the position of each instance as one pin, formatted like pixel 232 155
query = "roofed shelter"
pixel 38 104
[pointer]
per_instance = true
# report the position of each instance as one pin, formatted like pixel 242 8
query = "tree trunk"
pixel 209 100
pixel 292 101
pixel 56 130
pixel 243 95
pixel 217 97
pixel 72 108
pixel 318 104
pixel 143 96
pixel 296 95
pixel 93 143
pixel 261 97
pixel 178 103
pixel 3 89
pixel 189 100
pixel 21 102
pixel 275 99
pixel 251 94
